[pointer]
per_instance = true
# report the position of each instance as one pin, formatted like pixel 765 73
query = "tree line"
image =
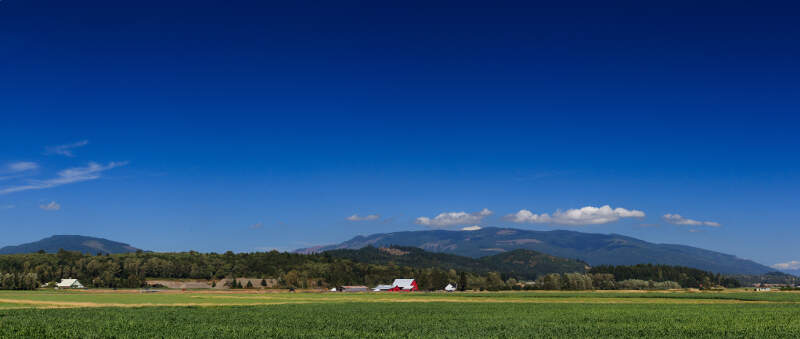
pixel 685 276
pixel 131 270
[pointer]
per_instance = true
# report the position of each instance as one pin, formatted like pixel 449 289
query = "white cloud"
pixel 17 169
pixel 52 206
pixel 454 218
pixel 7 207
pixel 71 175
pixel 22 166
pixel 66 150
pixel 588 215
pixel 791 265
pixel 471 228
pixel 677 219
pixel 257 225
pixel 356 217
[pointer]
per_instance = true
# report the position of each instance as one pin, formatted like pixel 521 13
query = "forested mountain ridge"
pixel 595 249
pixel 78 243
pixel 522 264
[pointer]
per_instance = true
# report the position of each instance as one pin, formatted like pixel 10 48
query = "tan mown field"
pixel 167 297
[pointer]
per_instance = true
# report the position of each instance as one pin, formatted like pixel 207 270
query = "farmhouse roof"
pixel 403 283
pixel 67 282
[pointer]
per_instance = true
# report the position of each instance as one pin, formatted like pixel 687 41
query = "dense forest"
pixel 325 270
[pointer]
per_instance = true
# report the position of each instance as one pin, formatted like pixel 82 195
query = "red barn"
pixel 404 285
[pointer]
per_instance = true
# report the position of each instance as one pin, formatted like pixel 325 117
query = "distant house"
pixel 354 289
pixel 450 288
pixel 69 283
pixel 763 289
pixel 404 285
pixel 382 288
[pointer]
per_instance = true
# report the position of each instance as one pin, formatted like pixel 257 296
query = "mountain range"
pixel 595 249
pixel 550 248
pixel 79 243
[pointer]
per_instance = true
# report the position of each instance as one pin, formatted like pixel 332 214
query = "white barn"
pixel 69 283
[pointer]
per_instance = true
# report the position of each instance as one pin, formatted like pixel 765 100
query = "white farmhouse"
pixel 69 283
pixel 450 288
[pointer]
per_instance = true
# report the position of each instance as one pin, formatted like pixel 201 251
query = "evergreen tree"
pixel 462 281
pixel 249 284
pixel 263 282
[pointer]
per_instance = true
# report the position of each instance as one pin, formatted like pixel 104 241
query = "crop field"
pixel 130 314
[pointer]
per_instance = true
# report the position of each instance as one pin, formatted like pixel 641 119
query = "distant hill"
pixel 71 243
pixel 525 264
pixel 528 264
pixel 792 272
pixel 768 278
pixel 595 249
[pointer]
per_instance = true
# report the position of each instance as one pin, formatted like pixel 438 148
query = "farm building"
pixel 450 288
pixel 382 288
pixel 69 283
pixel 404 285
pixel 354 289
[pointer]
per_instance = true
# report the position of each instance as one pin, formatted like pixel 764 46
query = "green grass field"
pixel 127 314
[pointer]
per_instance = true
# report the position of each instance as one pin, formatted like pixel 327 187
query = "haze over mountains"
pixel 595 249
pixel 79 243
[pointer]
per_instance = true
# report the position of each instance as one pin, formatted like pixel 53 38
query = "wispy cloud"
pixel 471 228
pixel 52 206
pixel 270 249
pixel 356 217
pixel 588 215
pixel 17 169
pixel 66 150
pixel 7 207
pixel 22 166
pixel 257 225
pixel 677 219
pixel 71 175
pixel 454 218
pixel 790 265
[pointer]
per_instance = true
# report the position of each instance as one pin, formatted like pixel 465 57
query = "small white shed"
pixel 450 288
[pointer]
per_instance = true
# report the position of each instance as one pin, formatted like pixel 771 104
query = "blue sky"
pixel 249 125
